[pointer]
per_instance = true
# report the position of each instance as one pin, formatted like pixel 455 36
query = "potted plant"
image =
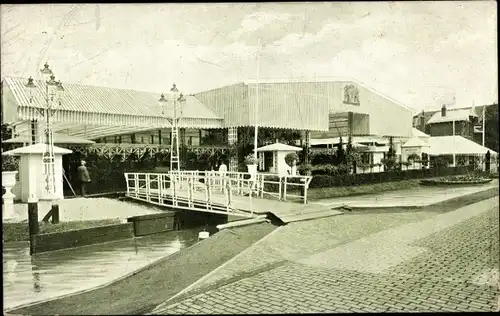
pixel 10 165
pixel 9 171
pixel 251 163
pixel 291 160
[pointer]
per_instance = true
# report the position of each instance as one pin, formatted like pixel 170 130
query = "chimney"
pixel 422 122
pixel 443 110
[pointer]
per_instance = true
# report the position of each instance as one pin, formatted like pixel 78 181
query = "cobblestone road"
pixel 456 270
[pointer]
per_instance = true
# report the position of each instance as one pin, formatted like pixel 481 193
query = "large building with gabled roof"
pixel 120 120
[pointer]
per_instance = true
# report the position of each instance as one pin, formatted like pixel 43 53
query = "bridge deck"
pixel 243 205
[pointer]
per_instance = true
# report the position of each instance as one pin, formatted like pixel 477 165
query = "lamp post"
pixel 177 99
pixel 54 92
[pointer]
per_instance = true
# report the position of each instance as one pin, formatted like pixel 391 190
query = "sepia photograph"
pixel 249 158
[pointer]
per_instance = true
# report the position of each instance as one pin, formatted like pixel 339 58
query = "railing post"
pixel 229 197
pixel 173 184
pixel 136 184
pixel 250 197
pixel 279 187
pixel 284 187
pixel 306 186
pixel 148 184
pixel 209 192
pixel 262 186
pixel 190 191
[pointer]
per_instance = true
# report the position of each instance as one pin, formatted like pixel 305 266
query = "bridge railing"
pixel 153 186
pixel 264 184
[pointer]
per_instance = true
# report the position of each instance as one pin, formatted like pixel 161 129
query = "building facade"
pixel 125 121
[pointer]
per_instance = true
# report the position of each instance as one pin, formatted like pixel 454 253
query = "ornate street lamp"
pixel 54 92
pixel 178 100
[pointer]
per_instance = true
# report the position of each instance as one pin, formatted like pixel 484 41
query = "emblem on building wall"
pixel 351 94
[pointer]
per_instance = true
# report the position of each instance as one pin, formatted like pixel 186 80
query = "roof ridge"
pixel 83 85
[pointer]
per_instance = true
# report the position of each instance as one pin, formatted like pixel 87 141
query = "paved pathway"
pixel 445 263
pixel 419 196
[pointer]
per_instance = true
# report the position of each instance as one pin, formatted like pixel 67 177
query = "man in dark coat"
pixel 83 177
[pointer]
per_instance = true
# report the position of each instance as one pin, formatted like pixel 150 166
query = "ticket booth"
pixel 32 174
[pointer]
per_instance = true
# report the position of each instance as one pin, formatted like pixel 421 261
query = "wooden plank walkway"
pixel 284 210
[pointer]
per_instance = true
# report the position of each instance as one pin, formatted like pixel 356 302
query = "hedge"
pixel 325 181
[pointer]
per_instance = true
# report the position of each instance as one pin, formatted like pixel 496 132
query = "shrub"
pixel 305 169
pixel 326 180
pixel 389 162
pixel 325 169
pixel 10 163
pixel 413 157
pixel 291 159
pixel 251 160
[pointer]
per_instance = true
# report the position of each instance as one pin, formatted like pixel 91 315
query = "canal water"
pixel 29 279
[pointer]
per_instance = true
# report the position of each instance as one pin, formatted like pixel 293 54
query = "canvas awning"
pixel 458 145
pixel 278 147
pixel 356 140
pixel 415 142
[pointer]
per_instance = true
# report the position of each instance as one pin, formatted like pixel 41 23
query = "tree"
pixel 390 160
pixel 340 153
pixel 491 127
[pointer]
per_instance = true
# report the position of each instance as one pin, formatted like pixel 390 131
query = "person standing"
pixel 222 175
pixel 83 177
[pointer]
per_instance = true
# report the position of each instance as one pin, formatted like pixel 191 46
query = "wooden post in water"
pixel 34 228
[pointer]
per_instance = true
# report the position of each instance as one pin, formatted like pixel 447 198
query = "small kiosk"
pixel 416 146
pixel 279 152
pixel 32 174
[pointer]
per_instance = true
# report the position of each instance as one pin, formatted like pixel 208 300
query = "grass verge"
pixel 143 291
pixel 20 232
pixel 333 192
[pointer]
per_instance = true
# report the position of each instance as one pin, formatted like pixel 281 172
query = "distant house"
pixel 440 123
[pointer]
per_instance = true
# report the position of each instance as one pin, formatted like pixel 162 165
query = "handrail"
pixel 184 187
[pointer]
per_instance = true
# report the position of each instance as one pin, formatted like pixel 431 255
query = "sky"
pixel 422 54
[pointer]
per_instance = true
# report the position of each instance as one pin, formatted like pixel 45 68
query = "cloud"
pixel 258 20
pixel 402 49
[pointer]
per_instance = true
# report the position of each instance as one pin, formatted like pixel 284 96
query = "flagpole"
pixel 454 147
pixel 255 143
pixel 484 124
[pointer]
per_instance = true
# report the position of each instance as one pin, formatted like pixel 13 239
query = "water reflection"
pixel 36 276
pixel 33 278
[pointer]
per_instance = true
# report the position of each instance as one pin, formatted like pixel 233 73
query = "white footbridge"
pixel 231 193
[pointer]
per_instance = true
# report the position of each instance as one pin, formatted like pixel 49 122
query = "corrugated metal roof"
pixel 93 99
pixel 58 139
pixel 301 106
pixel 451 115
